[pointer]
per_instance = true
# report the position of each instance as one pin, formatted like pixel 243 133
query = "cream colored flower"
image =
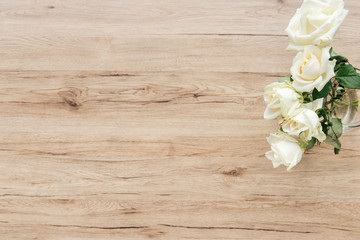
pixel 281 99
pixel 315 23
pixel 285 150
pixel 314 105
pixel 312 69
pixel 306 123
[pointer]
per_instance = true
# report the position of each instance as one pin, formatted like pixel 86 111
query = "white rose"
pixel 315 23
pixel 312 69
pixel 285 150
pixel 281 99
pixel 314 105
pixel 306 123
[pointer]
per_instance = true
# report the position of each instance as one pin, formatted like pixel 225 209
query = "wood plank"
pixel 153 54
pixel 111 18
pixel 133 54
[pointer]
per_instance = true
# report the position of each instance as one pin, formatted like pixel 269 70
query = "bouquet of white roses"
pixel 305 103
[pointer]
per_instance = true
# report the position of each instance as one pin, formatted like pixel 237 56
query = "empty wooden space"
pixel 129 119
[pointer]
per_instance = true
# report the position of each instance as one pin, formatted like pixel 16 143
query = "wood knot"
pixel 196 95
pixel 235 172
pixel 71 97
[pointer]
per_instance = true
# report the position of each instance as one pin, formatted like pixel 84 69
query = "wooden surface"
pixel 143 119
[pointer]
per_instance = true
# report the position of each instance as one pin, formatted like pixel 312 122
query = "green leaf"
pixel 338 57
pixel 338 66
pixel 322 112
pixel 283 79
pixel 324 128
pixel 348 77
pixel 336 150
pixel 333 142
pixel 311 143
pixel 323 93
pixel 307 100
pixel 336 128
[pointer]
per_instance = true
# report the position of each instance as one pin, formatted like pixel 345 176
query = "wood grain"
pixel 144 120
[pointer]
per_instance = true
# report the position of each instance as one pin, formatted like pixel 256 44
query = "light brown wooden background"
pixel 135 119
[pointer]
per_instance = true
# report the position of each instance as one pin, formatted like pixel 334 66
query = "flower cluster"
pixel 304 103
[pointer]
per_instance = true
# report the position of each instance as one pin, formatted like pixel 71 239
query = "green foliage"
pixel 307 98
pixel 324 127
pixel 333 142
pixel 348 77
pixel 323 93
pixel 336 128
pixel 338 57
pixel 322 113
pixel 311 143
